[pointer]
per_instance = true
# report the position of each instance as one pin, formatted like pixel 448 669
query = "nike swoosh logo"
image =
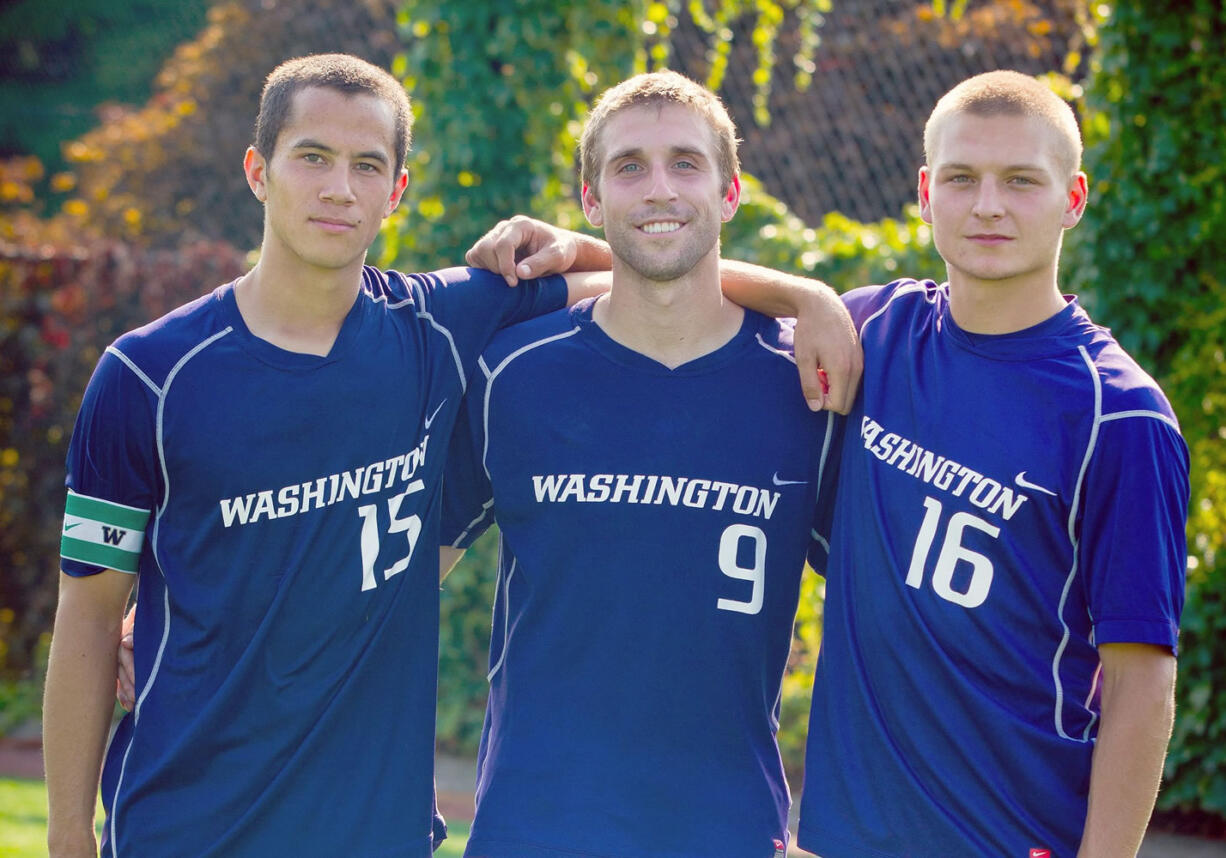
pixel 775 479
pixel 430 419
pixel 1024 483
pixel 71 526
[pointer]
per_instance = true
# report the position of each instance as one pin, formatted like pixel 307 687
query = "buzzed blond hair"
pixel 658 89
pixel 1008 93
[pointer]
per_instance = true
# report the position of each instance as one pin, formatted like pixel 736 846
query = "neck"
pixel 296 307
pixel 1003 307
pixel 671 322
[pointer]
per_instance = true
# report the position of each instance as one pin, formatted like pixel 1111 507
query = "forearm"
pixel 77 707
pixel 1138 713
pixel 591 254
pixel 773 293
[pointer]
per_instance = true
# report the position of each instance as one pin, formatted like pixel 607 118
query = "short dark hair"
pixel 341 72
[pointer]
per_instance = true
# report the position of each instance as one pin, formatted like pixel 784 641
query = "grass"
pixel 23 818
pixel 23 822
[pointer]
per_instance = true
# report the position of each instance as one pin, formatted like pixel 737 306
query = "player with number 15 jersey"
pixel 281 511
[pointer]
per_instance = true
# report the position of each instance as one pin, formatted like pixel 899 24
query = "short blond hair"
pixel 1008 93
pixel 658 88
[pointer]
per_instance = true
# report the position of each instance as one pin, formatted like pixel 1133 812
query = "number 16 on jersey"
pixel 952 553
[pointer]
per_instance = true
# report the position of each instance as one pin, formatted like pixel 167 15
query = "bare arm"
pixel 1138 712
pixel 448 557
pixel 825 338
pixel 825 335
pixel 78 703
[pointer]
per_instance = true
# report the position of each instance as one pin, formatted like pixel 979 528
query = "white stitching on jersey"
pixel 780 352
pixel 485 508
pixel 485 410
pixel 1068 582
pixel 157 520
pixel 506 611
pixel 821 467
pixel 135 369
pixel 1157 415
pixel 898 293
pixel 446 332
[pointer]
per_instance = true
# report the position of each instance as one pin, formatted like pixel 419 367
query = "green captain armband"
pixel 102 532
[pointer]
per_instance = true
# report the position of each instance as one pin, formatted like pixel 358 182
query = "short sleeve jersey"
pixel 654 526
pixel 281 512
pixel 1006 504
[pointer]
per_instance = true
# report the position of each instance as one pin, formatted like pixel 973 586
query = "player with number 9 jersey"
pixel 654 526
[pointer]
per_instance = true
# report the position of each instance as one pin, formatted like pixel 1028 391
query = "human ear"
pixel 925 179
pixel 732 199
pixel 256 169
pixel 398 189
pixel 591 206
pixel 1078 197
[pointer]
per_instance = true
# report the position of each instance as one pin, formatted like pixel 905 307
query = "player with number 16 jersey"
pixel 956 699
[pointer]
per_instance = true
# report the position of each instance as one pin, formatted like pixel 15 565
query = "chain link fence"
pixel 852 141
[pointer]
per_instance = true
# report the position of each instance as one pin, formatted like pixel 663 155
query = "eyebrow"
pixel 308 143
pixel 637 151
pixel 1011 168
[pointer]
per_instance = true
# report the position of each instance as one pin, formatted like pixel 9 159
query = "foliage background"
pixel 150 210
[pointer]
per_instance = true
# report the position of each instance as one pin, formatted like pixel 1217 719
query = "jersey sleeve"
pixel 471 304
pixel 112 475
pixel 823 512
pixel 1133 531
pixel 468 500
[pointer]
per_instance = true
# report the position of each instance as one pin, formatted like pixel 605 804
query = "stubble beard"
pixel 628 245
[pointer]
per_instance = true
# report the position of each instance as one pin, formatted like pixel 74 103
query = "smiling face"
pixel 998 193
pixel 661 199
pixel 330 181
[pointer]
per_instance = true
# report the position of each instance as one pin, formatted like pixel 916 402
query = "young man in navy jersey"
pixel 1007 561
pixel 291 614
pixel 1007 571
pixel 268 459
pixel 658 482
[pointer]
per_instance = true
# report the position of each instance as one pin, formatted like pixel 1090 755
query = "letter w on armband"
pixel 102 532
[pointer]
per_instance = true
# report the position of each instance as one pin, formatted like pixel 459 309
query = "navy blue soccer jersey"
pixel 281 512
pixel 654 527
pixel 1006 504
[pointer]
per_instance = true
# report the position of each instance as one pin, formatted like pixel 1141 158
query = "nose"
pixel 659 187
pixel 989 201
pixel 336 187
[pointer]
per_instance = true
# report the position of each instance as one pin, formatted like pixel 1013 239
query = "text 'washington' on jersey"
pixel 656 489
pixel 318 493
pixel 943 473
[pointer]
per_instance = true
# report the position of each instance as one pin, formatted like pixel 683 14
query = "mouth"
pixel 661 227
pixel 333 224
pixel 989 238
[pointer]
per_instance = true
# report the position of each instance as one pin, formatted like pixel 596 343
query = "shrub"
pixel 59 308
pixel 1148 261
pixel 171 171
